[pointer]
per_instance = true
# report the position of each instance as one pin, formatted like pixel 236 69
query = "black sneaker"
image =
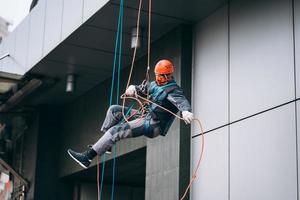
pixel 80 158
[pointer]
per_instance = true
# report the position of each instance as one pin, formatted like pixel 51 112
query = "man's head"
pixel 163 72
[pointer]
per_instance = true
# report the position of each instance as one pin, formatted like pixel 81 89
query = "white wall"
pixel 210 81
pixel 212 181
pixel 46 26
pixel 261 56
pixel 244 65
pixel 263 156
pixel 297 44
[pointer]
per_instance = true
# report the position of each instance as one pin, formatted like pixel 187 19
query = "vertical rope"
pixel 112 88
pixel 102 175
pixel 149 45
pixel 133 57
pixel 118 92
pixel 149 32
pixel 98 174
pixel 120 51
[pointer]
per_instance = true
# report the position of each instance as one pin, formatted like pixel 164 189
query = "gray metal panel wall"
pixel 262 159
pixel 297 44
pixel 298 139
pixel 21 51
pixel 261 55
pixel 36 33
pixel 212 181
pixel 162 165
pixel 72 16
pixel 263 156
pixel 53 24
pixel 210 72
pixel 210 103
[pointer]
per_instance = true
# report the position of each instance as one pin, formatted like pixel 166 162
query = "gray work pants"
pixel 115 129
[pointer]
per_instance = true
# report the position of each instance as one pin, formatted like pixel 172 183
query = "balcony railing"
pixel 19 192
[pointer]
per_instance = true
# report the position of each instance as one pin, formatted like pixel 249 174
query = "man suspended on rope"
pixel 164 92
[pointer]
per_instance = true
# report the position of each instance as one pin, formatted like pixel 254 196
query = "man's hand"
pixel 187 117
pixel 131 91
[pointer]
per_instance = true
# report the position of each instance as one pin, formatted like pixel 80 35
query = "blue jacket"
pixel 169 96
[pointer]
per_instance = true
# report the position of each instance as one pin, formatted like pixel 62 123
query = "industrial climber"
pixel 164 92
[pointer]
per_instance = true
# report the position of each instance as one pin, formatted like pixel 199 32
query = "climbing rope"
pixel 133 57
pixel 98 177
pixel 195 173
pixel 117 51
pixel 149 45
pixel 118 93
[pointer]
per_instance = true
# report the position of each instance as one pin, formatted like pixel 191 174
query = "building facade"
pixel 246 90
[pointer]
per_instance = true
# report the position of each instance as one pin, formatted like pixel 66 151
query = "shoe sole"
pixel 82 165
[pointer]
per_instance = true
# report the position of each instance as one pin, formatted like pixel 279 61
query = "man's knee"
pixel 114 111
pixel 119 132
pixel 115 108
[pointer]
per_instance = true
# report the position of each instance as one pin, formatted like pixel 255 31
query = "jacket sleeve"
pixel 177 98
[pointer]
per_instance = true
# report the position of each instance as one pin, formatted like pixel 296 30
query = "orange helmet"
pixel 163 72
pixel 164 67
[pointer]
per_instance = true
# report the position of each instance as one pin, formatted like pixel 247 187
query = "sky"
pixel 14 11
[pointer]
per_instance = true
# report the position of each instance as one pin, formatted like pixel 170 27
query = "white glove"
pixel 187 117
pixel 131 91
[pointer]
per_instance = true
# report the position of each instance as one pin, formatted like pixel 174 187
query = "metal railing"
pixel 20 191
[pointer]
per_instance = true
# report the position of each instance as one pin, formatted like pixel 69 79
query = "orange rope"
pixel 133 58
pixel 124 97
pixel 149 33
pixel 149 45
pixel 98 178
pixel 195 173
